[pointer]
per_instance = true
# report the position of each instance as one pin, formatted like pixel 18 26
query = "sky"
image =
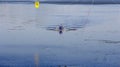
pixel 64 0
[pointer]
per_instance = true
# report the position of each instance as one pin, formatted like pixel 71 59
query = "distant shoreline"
pixel 60 2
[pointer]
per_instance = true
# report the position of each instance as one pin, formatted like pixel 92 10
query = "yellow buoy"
pixel 37 4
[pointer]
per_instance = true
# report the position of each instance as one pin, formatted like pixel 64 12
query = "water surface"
pixel 24 43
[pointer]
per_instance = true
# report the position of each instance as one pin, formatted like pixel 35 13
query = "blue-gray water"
pixel 25 43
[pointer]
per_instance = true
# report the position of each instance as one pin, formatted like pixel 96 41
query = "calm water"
pixel 24 43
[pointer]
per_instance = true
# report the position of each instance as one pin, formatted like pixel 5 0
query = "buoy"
pixel 37 4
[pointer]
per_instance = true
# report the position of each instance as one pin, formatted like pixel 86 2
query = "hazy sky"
pixel 60 0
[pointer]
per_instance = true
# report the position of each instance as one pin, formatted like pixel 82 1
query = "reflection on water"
pixel 24 42
pixel 36 60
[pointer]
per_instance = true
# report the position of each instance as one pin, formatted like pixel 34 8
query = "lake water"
pixel 24 43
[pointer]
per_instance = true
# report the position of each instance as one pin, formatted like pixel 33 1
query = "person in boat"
pixel 61 28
